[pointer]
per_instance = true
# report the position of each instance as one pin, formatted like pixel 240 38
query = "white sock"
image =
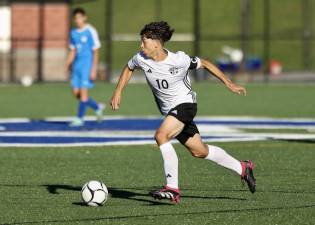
pixel 170 164
pixel 222 158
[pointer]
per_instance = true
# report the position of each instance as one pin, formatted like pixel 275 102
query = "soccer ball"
pixel 26 81
pixel 94 193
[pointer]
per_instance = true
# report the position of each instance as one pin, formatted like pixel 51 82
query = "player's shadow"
pixel 133 194
pixel 305 141
pixel 114 193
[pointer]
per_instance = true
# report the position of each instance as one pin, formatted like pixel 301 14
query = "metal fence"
pixel 269 30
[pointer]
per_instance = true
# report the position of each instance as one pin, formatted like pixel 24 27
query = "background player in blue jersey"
pixel 82 61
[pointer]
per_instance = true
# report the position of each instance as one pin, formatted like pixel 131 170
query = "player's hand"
pixel 93 74
pixel 237 89
pixel 115 101
pixel 67 67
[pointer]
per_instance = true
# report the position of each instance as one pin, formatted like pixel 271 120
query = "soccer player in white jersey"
pixel 167 75
pixel 82 61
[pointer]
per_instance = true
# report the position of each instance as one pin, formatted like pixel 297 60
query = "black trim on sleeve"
pixel 130 68
pixel 193 63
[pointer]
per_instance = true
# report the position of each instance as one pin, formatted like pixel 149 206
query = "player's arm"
pixel 94 64
pixel 220 75
pixel 123 81
pixel 70 59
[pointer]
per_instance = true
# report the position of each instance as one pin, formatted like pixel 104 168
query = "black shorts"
pixel 185 113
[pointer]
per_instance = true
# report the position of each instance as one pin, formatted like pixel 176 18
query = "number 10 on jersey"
pixel 162 84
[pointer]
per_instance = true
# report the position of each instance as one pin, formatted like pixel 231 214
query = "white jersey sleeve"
pixel 133 63
pixel 95 41
pixel 188 62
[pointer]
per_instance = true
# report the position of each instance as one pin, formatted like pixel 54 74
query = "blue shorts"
pixel 80 76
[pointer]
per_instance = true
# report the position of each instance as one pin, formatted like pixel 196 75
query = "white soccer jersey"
pixel 168 79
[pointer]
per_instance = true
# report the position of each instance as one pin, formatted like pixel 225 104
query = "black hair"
pixel 158 31
pixel 78 11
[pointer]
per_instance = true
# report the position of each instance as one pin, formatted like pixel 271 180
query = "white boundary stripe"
pixel 127 134
pixel 214 138
pixel 198 118
pixel 101 134
pixel 252 118
pixel 120 143
pixel 15 120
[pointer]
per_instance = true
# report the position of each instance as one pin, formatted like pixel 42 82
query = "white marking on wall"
pixel 5 29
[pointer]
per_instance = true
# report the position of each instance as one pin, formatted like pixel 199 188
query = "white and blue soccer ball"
pixel 94 193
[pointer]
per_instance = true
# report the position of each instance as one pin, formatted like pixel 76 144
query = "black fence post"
pixel 12 61
pixel 108 38
pixel 245 10
pixel 196 32
pixel 266 39
pixel 40 41
pixel 307 34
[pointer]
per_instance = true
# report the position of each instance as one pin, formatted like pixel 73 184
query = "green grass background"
pixel 274 100
pixel 219 18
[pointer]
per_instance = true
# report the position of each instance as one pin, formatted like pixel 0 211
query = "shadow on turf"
pixel 130 194
pixel 114 193
pixel 306 141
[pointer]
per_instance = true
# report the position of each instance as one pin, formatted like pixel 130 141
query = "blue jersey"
pixel 83 41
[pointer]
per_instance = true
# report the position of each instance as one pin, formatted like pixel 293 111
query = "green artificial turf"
pixel 42 186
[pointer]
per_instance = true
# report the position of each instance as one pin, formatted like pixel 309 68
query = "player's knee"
pixel 200 152
pixel 84 97
pixel 161 137
pixel 76 95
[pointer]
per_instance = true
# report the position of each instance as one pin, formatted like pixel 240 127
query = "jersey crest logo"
pixel 149 71
pixel 174 70
pixel 83 39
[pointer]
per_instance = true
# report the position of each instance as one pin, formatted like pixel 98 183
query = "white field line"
pixel 14 120
pixel 198 118
pixel 146 135
pixel 147 142
pixel 101 134
pixel 253 118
